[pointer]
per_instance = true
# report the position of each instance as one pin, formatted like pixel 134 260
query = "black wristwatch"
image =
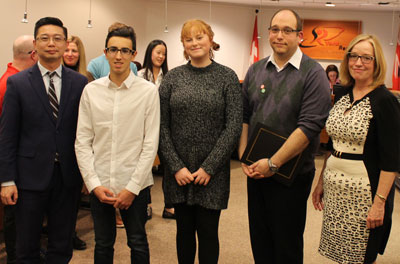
pixel 272 166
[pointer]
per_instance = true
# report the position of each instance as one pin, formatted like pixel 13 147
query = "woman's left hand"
pixel 376 214
pixel 201 177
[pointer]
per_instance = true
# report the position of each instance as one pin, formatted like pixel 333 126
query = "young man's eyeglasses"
pixel 46 39
pixel 285 31
pixel 124 51
pixel 366 59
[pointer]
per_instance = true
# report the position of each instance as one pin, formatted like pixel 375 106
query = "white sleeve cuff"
pixel 8 183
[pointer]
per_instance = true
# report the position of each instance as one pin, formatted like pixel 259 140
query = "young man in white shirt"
pixel 117 140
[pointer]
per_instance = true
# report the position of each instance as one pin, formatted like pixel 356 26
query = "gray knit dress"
pixel 201 121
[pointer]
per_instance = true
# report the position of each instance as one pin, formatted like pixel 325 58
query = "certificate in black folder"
pixel 263 143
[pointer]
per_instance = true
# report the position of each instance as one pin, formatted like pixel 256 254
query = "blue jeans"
pixel 134 219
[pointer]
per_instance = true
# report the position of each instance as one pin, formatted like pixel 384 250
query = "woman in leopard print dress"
pixel 355 189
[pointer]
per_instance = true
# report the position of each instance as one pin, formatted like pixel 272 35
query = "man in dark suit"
pixel 38 169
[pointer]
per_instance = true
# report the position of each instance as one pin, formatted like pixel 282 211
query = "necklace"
pixel 351 106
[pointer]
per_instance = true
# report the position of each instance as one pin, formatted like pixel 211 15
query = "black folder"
pixel 263 143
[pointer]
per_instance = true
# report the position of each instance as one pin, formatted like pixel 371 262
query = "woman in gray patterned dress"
pixel 201 118
pixel 357 179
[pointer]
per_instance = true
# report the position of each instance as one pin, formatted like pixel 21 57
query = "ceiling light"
pixel 166 17
pixel 330 4
pixel 25 18
pixel 89 24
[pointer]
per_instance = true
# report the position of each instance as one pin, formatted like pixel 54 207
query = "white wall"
pixel 232 24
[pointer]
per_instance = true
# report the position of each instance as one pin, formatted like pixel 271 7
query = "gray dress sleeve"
pixel 229 137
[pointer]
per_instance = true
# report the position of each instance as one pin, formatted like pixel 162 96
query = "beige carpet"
pixel 234 235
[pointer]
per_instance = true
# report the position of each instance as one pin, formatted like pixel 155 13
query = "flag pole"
pixel 254 48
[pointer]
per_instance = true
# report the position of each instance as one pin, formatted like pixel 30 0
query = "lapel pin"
pixel 262 88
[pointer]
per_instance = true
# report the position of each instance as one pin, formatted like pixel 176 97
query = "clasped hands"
pixel 258 170
pixel 122 200
pixel 183 177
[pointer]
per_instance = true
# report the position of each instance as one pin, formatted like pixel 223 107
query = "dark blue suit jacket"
pixel 29 135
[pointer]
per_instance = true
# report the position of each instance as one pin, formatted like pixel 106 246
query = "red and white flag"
pixel 254 52
pixel 396 67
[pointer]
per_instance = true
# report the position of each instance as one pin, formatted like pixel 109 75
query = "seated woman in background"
pixel 333 75
pixel 356 182
pixel 155 66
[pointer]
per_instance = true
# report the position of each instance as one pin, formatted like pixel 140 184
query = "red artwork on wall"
pixel 324 39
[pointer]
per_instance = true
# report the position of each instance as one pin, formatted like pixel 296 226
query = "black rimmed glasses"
pixel 286 30
pixel 124 51
pixel 365 59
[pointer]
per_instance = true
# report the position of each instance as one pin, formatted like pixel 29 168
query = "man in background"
pixel 99 67
pixel 24 57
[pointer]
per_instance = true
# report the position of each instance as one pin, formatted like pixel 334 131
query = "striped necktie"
pixel 53 96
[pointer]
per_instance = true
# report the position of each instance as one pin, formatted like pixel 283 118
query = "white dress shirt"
pixel 56 79
pixel 295 60
pixel 151 77
pixel 117 134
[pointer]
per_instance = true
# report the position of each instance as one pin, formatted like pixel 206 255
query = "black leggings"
pixel 192 219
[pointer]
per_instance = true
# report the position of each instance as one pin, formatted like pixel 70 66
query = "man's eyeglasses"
pixel 366 59
pixel 285 31
pixel 124 51
pixel 46 39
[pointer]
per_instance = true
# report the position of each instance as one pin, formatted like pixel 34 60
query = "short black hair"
pixel 125 32
pixel 148 63
pixel 50 21
pixel 299 22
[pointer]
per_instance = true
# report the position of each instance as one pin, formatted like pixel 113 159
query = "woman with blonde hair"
pixel 355 189
pixel 74 56
pixel 201 118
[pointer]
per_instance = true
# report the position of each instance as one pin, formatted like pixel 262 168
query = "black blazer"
pixel 29 135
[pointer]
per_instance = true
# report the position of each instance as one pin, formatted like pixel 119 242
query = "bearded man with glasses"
pixel 288 92
pixel 116 144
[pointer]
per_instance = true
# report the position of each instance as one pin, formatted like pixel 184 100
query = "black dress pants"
pixel 192 219
pixel 58 202
pixel 277 217
pixel 9 231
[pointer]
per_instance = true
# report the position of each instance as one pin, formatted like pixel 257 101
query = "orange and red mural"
pixel 325 39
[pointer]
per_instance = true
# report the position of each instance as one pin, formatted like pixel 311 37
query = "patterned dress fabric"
pixel 356 127
pixel 201 122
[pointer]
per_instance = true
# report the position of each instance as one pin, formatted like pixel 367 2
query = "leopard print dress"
pixel 347 190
